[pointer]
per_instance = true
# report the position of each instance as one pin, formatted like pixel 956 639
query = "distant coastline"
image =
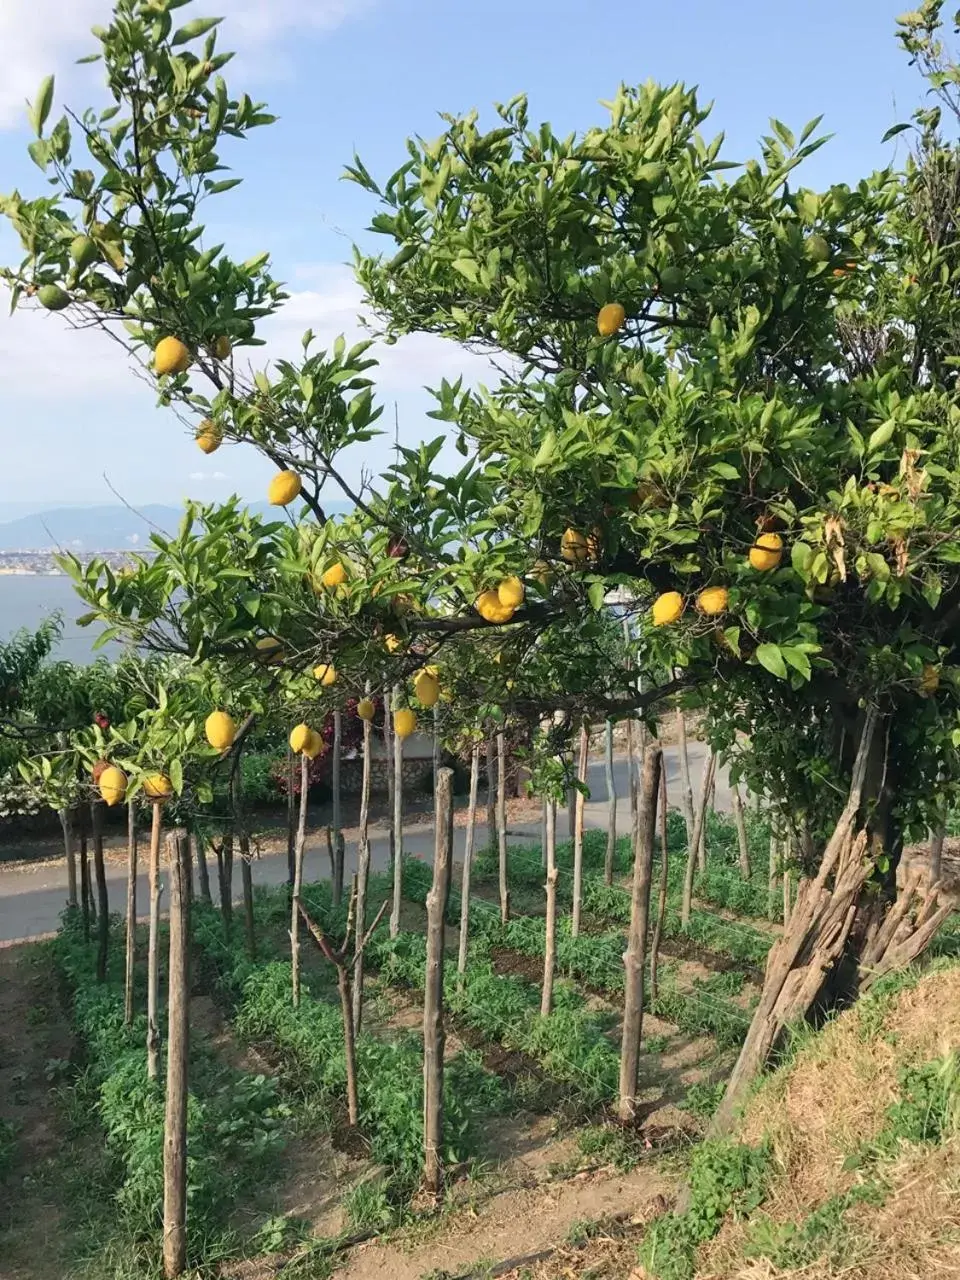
pixel 41 564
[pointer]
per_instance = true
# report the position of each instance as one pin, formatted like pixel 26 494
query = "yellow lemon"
pixel 610 319
pixel 573 547
pixel 157 786
pixel 269 649
pixel 221 729
pixel 326 673
pixel 313 746
pixel 393 643
pixel 334 576
pixel 427 688
pixel 220 348
pixel 113 785
pixel 490 608
pixel 767 552
pixel 284 488
pixel 510 593
pixel 667 608
pixel 300 738
pixel 366 709
pixel 713 600
pixel 209 436
pixel 543 573
pixel 404 722
pixel 171 356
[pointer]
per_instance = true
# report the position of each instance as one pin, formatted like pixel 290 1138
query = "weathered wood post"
pixel 153 943
pixel 550 940
pixel 130 956
pixel 433 1033
pixel 468 860
pixel 178 1049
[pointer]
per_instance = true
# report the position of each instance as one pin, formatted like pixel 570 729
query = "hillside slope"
pixel 847 1160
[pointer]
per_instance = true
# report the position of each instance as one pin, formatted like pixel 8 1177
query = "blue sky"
pixel 363 74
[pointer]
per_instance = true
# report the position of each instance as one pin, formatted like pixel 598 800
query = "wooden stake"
pixel 338 847
pixel 741 825
pixel 131 939
pixel 662 897
pixel 491 791
pixel 502 827
pixel 291 814
pixel 178 1047
pixel 611 805
pixel 936 853
pixel 203 871
pixel 226 881
pixel 100 874
pixel 708 785
pixel 397 825
pixel 635 957
pixel 686 787
pixel 579 802
pixel 363 871
pixel 153 943
pixel 299 847
pixel 71 857
pixel 389 742
pixel 550 942
pixel 468 861
pixel 433 1032
pixel 687 900
pixel 86 898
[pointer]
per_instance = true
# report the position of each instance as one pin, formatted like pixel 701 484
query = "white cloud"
pixel 207 475
pixel 43 36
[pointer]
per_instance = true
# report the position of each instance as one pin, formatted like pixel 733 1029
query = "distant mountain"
pixel 107 528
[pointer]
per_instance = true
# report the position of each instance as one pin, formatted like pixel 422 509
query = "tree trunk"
pixel 664 876
pixel 299 847
pixel 71 857
pixel 436 749
pixel 502 827
pixel 153 944
pixel 203 871
pixel 338 847
pixel 774 865
pixel 291 815
pixel 580 801
pixel 397 826
pixel 178 1047
pixel 246 880
pixel 786 896
pixel 349 1043
pixel 635 957
pixel 226 882
pixel 389 742
pixel 611 805
pixel 131 940
pixel 103 905
pixel 363 873
pixel 936 853
pixel 468 861
pixel 433 1033
pixel 491 791
pixel 550 941
pixel 709 785
pixel 741 824
pixel 694 845
pixel 686 787
pixel 86 899
pixel 631 735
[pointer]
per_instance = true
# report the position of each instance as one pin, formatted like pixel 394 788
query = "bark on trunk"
pixel 349 1043
pixel 502 828
pixel 635 957
pixel 774 865
pixel 736 804
pixel 468 862
pixel 389 742
pixel 71 857
pixel 363 874
pixel 664 875
pixel 153 943
pixel 86 898
pixel 433 1033
pixel 936 853
pixel 611 805
pixel 291 815
pixel 226 882
pixel 178 1045
pixel 581 800
pixel 397 826
pixel 299 847
pixel 686 787
pixel 694 846
pixel 246 879
pixel 203 871
pixel 100 875
pixel 338 846
pixel 550 942
pixel 491 791
pixel 131 939
pixel 709 785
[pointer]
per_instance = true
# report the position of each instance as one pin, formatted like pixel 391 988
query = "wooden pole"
pixel 226 882
pixel 363 872
pixel 291 814
pixel 550 943
pixel 736 804
pixel 631 735
pixel 100 874
pixel 86 899
pixel 153 943
pixel 70 855
pixel 299 847
pixel 433 1032
pixel 662 897
pixel 491 791
pixel 397 825
pixel 774 864
pixel 178 1048
pixel 131 938
pixel 389 742
pixel 468 861
pixel 611 804
pixel 246 880
pixel 694 846
pixel 936 852
pixel 579 802
pixel 338 847
pixel 708 785
pixel 502 827
pixel 686 787
pixel 203 871
pixel 635 956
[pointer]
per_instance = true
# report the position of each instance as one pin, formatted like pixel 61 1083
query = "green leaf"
pixel 797 659
pixel 725 471
pixel 41 107
pixel 204 793
pixel 176 776
pixel 894 130
pixel 882 435
pixel 215 188
pixel 192 30
pixel 801 557
pixel 597 592
pixel 548 448
pixel 769 656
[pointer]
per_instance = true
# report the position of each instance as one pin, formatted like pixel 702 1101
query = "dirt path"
pixel 35 1040
pixel 510 1224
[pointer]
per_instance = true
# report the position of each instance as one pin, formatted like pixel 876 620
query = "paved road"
pixel 31 899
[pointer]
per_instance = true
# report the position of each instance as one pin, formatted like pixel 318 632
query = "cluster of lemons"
pixel 765 555
pixel 220 729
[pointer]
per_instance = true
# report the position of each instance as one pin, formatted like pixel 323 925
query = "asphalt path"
pixel 32 898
